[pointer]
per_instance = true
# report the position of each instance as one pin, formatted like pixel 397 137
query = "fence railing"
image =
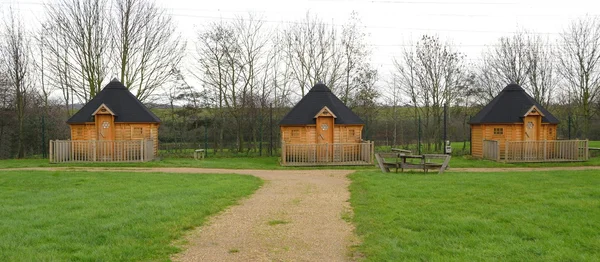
pixel 327 154
pixel 62 151
pixel 491 150
pixel 546 151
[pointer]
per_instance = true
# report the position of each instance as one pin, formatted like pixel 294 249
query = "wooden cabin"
pixel 515 126
pixel 321 130
pixel 113 126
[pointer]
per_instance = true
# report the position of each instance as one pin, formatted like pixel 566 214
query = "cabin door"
pixel 531 148
pixel 325 139
pixel 106 137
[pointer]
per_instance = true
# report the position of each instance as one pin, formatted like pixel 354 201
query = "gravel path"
pixel 295 216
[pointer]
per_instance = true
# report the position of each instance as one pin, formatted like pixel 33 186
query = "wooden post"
pixel 142 150
pixel 545 147
pixel 497 151
pixel 505 150
pixel 283 153
pixel 586 150
pixel 50 155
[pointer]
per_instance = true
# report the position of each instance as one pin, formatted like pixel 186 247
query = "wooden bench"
pixel 403 161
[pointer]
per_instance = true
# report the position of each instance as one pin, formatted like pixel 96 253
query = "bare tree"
pixel 542 75
pixel 313 54
pixel 147 46
pixel 524 59
pixel 355 53
pixel 580 67
pixel 432 75
pixel 80 44
pixel 15 63
pixel 503 63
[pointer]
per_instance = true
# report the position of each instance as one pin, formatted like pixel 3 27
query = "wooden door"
pixel 105 136
pixel 531 127
pixel 325 138
pixel 531 135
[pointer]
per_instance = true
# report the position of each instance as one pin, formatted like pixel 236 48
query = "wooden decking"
pixel 401 161
pixel 339 154
pixel 68 151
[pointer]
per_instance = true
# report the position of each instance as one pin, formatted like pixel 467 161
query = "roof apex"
pixel 320 87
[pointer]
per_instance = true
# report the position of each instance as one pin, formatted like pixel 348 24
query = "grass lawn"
pixel 541 216
pixel 103 216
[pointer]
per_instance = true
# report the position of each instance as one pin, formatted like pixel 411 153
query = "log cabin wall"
pixel 308 134
pixel 123 131
pixel 504 132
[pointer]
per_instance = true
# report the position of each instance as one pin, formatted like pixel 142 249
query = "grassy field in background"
pixel 541 216
pixel 104 216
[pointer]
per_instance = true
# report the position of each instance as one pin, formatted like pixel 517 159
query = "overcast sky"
pixel 391 25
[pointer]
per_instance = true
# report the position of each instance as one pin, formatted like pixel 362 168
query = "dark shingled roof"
pixel 125 106
pixel 319 96
pixel 509 107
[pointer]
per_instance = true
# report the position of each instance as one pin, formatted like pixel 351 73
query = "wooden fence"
pixel 546 151
pixel 327 154
pixel 63 151
pixel 537 151
pixel 491 150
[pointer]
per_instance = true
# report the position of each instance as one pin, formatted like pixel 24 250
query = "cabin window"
pixel 351 133
pixel 137 131
pixel 295 133
pixel 498 131
pixel 550 131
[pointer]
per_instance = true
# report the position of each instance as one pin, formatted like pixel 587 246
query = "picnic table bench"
pixel 400 160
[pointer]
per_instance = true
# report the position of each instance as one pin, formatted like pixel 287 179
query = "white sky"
pixel 391 24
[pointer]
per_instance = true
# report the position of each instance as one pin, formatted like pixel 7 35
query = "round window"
pixel 530 125
pixel 105 124
pixel 324 126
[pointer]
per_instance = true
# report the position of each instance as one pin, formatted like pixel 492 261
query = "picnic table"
pixel 401 160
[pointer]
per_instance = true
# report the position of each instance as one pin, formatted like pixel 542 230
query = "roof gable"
pixel 325 111
pixel 510 106
pixel 116 98
pixel 312 105
pixel 103 110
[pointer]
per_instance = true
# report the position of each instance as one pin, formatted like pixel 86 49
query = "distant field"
pixel 89 216
pixel 541 216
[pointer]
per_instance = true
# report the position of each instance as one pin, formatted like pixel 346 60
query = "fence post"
pixel 587 150
pixel 283 153
pixel 498 151
pixel 142 150
pixel 50 155
pixel 506 150
pixel 372 152
pixel 545 147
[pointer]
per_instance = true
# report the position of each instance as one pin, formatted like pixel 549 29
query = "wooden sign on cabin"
pixel 114 114
pixel 513 115
pixel 321 130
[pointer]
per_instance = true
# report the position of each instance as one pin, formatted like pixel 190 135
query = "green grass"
pixel 104 216
pixel 541 216
pixel 278 222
